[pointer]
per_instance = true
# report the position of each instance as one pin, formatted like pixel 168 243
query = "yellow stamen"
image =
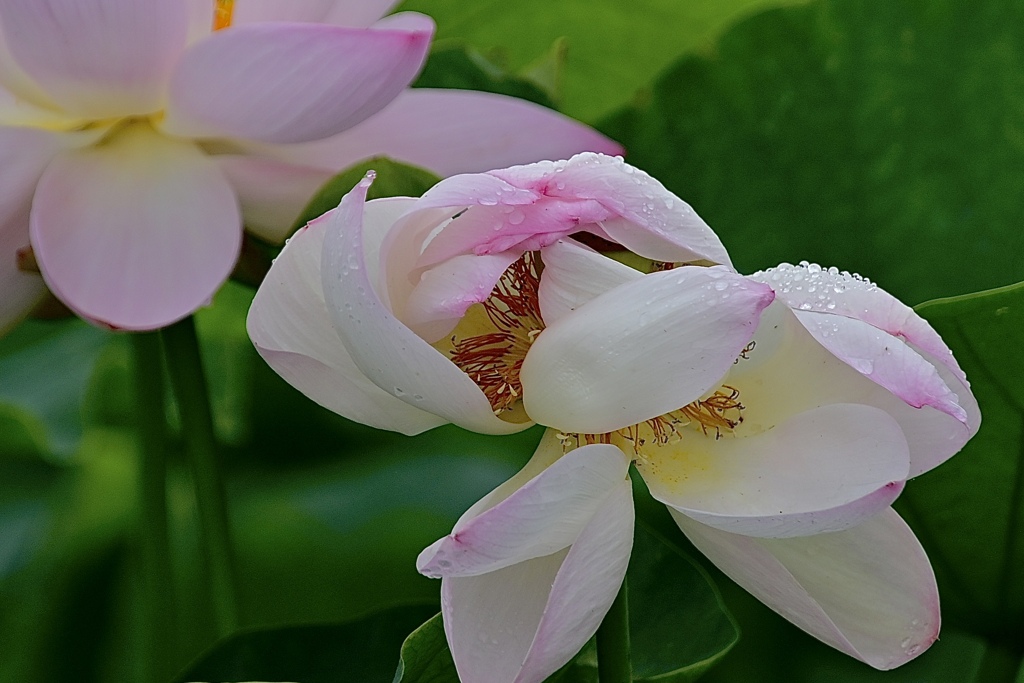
pixel 222 11
pixel 721 412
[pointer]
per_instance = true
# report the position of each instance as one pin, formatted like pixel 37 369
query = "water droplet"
pixel 721 285
pixel 489 201
pixel 905 643
pixel 399 391
pixel 669 202
pixel 516 217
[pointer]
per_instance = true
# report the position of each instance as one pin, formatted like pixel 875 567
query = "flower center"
pixel 222 12
pixel 494 358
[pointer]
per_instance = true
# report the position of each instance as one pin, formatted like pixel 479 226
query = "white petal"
pixel 573 275
pixel 868 591
pixel 290 327
pixel 826 469
pixel 386 351
pixel 543 516
pixel 522 623
pixel 645 348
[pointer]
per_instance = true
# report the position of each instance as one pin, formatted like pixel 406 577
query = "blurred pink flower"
pixel 136 141
pixel 776 415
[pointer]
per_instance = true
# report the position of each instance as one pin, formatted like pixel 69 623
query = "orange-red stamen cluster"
pixel 494 360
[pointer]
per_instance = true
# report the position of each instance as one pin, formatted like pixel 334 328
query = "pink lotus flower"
pixel 777 415
pixel 136 141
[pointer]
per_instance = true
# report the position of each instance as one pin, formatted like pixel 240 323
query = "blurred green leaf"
pixel 45 367
pixel 394 179
pixel 614 47
pixel 885 138
pixel 969 512
pixel 364 650
pixel 426 657
pixel 679 627
pixel 452 64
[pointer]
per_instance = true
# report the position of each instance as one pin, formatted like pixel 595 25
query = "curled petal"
pixel 811 288
pixel 286 83
pixel 97 58
pixel 648 219
pixel 884 359
pixel 788 371
pixel 444 293
pixel 868 591
pixel 290 327
pixel 574 274
pixel 271 193
pixel 645 348
pixel 826 469
pixel 543 516
pixel 386 351
pixel 522 623
pixel 136 233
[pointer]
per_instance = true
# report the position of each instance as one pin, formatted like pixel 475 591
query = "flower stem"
pixel 613 642
pixel 158 581
pixel 181 344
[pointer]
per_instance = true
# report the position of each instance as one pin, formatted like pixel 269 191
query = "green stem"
pixel 158 581
pixel 181 344
pixel 613 642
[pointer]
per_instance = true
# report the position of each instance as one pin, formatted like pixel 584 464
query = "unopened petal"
pixel 271 193
pixel 97 58
pixel 287 83
pixel 645 348
pixel 543 516
pixel 868 591
pixel 290 327
pixel 137 233
pixel 573 275
pixel 826 469
pixel 386 351
pixel 522 623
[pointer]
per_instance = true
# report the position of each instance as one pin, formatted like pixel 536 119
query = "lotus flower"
pixel 138 136
pixel 776 415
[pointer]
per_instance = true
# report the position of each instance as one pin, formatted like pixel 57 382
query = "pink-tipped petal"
pixel 787 371
pixel 573 275
pixel 137 233
pixel 456 131
pixel 868 591
pixel 648 219
pixel 522 623
pixel 884 359
pixel 288 83
pixel 643 349
pixel 826 469
pixel 543 516
pixel 290 327
pixel 271 193
pixel 386 351
pixel 97 58
pixel 811 288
